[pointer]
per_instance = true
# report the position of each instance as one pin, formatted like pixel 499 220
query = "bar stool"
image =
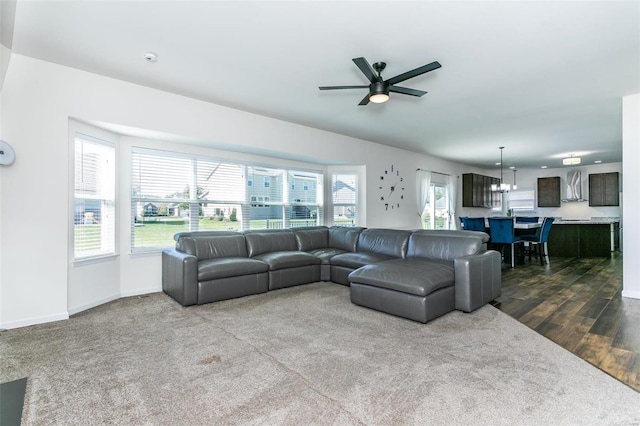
pixel 540 239
pixel 503 232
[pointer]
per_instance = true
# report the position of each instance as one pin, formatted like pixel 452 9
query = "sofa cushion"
pixel 311 238
pixel 325 254
pixel 358 259
pixel 287 259
pixel 344 237
pixel 212 269
pixel 269 241
pixel 212 246
pixel 443 247
pixel 390 242
pixel 413 276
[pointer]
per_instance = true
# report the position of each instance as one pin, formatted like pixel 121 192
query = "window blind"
pixel 173 192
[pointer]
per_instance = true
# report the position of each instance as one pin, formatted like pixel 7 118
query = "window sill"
pixel 148 253
pixel 93 260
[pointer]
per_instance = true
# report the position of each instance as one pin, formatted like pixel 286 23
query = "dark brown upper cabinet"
pixel 604 189
pixel 549 191
pixel 476 191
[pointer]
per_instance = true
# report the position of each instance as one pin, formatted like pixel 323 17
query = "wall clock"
pixel 391 188
pixel 7 154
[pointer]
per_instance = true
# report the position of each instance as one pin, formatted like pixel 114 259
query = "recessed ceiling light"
pixel 150 57
pixel 498 163
pixel 512 167
pixel 543 167
pixel 598 161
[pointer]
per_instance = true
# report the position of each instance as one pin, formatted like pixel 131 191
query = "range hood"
pixel 574 187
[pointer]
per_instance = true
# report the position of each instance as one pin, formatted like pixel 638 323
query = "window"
pixel 94 198
pixel 305 206
pixel 437 195
pixel 436 213
pixel 344 194
pixel 173 192
pixel 521 201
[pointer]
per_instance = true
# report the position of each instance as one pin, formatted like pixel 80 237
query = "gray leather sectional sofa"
pixel 418 275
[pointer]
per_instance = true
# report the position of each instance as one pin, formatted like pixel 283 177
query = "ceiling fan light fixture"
pixel 379 92
pixel 379 98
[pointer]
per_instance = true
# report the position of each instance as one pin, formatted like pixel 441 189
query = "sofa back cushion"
pixel 443 246
pixel 391 242
pixel 454 233
pixel 344 237
pixel 270 241
pixel 213 246
pixel 179 235
pixel 312 238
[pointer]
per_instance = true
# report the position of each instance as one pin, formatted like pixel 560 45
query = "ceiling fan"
pixel 379 89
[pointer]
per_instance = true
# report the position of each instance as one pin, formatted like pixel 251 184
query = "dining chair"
pixel 503 232
pixel 473 223
pixel 540 239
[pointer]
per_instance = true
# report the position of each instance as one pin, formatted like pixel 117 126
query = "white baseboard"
pixel 631 294
pixel 94 303
pixel 113 297
pixel 141 291
pixel 33 321
pixel 65 316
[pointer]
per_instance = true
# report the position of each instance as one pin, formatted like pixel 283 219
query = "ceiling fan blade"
pixel 364 100
pixel 342 87
pixel 366 69
pixel 414 73
pixel 407 91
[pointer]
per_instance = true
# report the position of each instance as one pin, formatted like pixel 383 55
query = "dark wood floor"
pixel 577 303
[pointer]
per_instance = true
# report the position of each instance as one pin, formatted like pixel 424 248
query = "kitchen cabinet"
pixel 583 239
pixel 604 189
pixel 476 191
pixel 549 191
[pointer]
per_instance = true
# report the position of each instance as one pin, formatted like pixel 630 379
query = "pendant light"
pixel 503 186
pixel 515 186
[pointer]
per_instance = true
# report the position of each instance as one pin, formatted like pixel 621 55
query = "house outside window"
pixel 344 194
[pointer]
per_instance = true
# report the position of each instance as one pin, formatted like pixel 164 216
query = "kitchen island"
pixel 596 237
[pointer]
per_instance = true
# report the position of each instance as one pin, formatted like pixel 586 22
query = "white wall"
pixel 631 194
pixel 38 100
pixel 7 19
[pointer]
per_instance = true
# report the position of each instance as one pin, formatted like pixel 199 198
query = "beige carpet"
pixel 303 355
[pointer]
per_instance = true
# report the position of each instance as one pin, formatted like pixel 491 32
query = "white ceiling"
pixel 544 79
